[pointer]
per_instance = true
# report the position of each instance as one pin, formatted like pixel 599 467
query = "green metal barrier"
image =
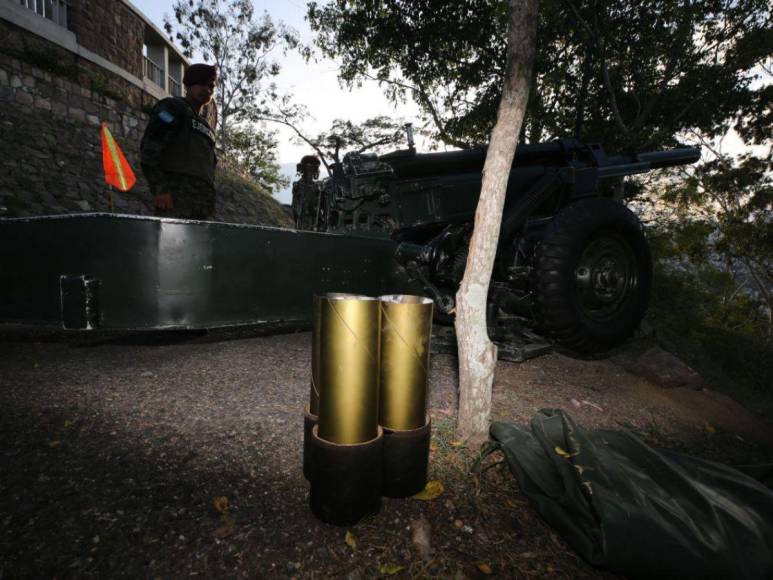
pixel 133 272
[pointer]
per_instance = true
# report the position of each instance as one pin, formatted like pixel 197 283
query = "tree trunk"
pixel 477 354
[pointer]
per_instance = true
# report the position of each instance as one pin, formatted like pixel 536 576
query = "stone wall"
pixel 52 104
pixel 111 30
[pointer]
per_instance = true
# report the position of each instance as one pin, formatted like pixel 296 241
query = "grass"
pixel 270 211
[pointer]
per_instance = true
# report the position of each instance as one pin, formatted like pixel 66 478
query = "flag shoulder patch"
pixel 166 116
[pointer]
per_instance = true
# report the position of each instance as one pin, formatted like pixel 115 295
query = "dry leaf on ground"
pixel 432 490
pixel 350 540
pixel 221 504
pixel 390 569
pixel 485 568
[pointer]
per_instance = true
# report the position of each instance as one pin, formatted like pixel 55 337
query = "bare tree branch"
pixel 287 123
pixel 427 102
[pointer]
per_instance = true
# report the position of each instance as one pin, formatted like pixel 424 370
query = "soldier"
pixel 305 193
pixel 178 150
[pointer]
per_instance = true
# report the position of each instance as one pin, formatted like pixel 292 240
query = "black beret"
pixel 199 74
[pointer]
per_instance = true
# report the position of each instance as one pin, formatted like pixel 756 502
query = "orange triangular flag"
pixel 117 170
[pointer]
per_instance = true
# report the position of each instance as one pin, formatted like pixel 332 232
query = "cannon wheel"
pixel 592 276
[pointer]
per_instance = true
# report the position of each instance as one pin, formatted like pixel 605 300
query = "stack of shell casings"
pixel 370 363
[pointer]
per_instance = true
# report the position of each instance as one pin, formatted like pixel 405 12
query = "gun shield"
pixel 406 326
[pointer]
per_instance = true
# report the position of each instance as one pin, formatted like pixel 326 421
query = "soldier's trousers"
pixel 192 199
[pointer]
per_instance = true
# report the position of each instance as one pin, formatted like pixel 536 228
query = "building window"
pixel 55 10
pixel 153 71
pixel 174 88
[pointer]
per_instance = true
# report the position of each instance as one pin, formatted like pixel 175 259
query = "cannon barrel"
pixel 409 164
pixel 681 156
pixel 658 159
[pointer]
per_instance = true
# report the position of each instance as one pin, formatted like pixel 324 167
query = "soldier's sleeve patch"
pixel 166 116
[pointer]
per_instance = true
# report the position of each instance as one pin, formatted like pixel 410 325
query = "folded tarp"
pixel 640 511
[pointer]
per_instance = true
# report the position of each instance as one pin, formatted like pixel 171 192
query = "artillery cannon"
pixel 573 261
pixel 572 257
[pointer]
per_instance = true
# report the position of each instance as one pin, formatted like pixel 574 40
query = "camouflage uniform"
pixel 178 157
pixel 306 193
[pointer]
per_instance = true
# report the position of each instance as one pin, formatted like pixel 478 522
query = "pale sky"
pixel 314 85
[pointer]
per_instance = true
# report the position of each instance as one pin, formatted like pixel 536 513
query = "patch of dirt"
pixel 113 453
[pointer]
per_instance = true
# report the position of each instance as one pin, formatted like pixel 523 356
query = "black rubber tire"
pixel 592 276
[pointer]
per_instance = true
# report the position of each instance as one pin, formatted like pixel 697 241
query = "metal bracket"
pixel 80 302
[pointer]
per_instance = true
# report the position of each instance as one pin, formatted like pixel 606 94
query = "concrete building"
pixel 113 34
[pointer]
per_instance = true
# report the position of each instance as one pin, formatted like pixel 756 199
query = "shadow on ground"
pixel 113 453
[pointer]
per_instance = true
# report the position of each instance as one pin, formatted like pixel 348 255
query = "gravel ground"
pixel 115 450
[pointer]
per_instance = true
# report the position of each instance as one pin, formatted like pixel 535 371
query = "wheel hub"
pixel 605 275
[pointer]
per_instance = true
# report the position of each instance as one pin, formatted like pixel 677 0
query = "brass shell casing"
pixel 348 368
pixel 406 327
pixel 316 313
pixel 316 323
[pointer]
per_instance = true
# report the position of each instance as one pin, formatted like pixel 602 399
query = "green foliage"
pixel 255 151
pixel 448 56
pixel 723 333
pixel 100 84
pixel 230 35
pixel 716 311
pixel 724 208
pixel 376 134
pixel 628 74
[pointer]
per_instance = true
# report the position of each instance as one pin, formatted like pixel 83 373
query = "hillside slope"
pixel 241 200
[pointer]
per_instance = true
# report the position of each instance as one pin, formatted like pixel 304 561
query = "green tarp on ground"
pixel 640 511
